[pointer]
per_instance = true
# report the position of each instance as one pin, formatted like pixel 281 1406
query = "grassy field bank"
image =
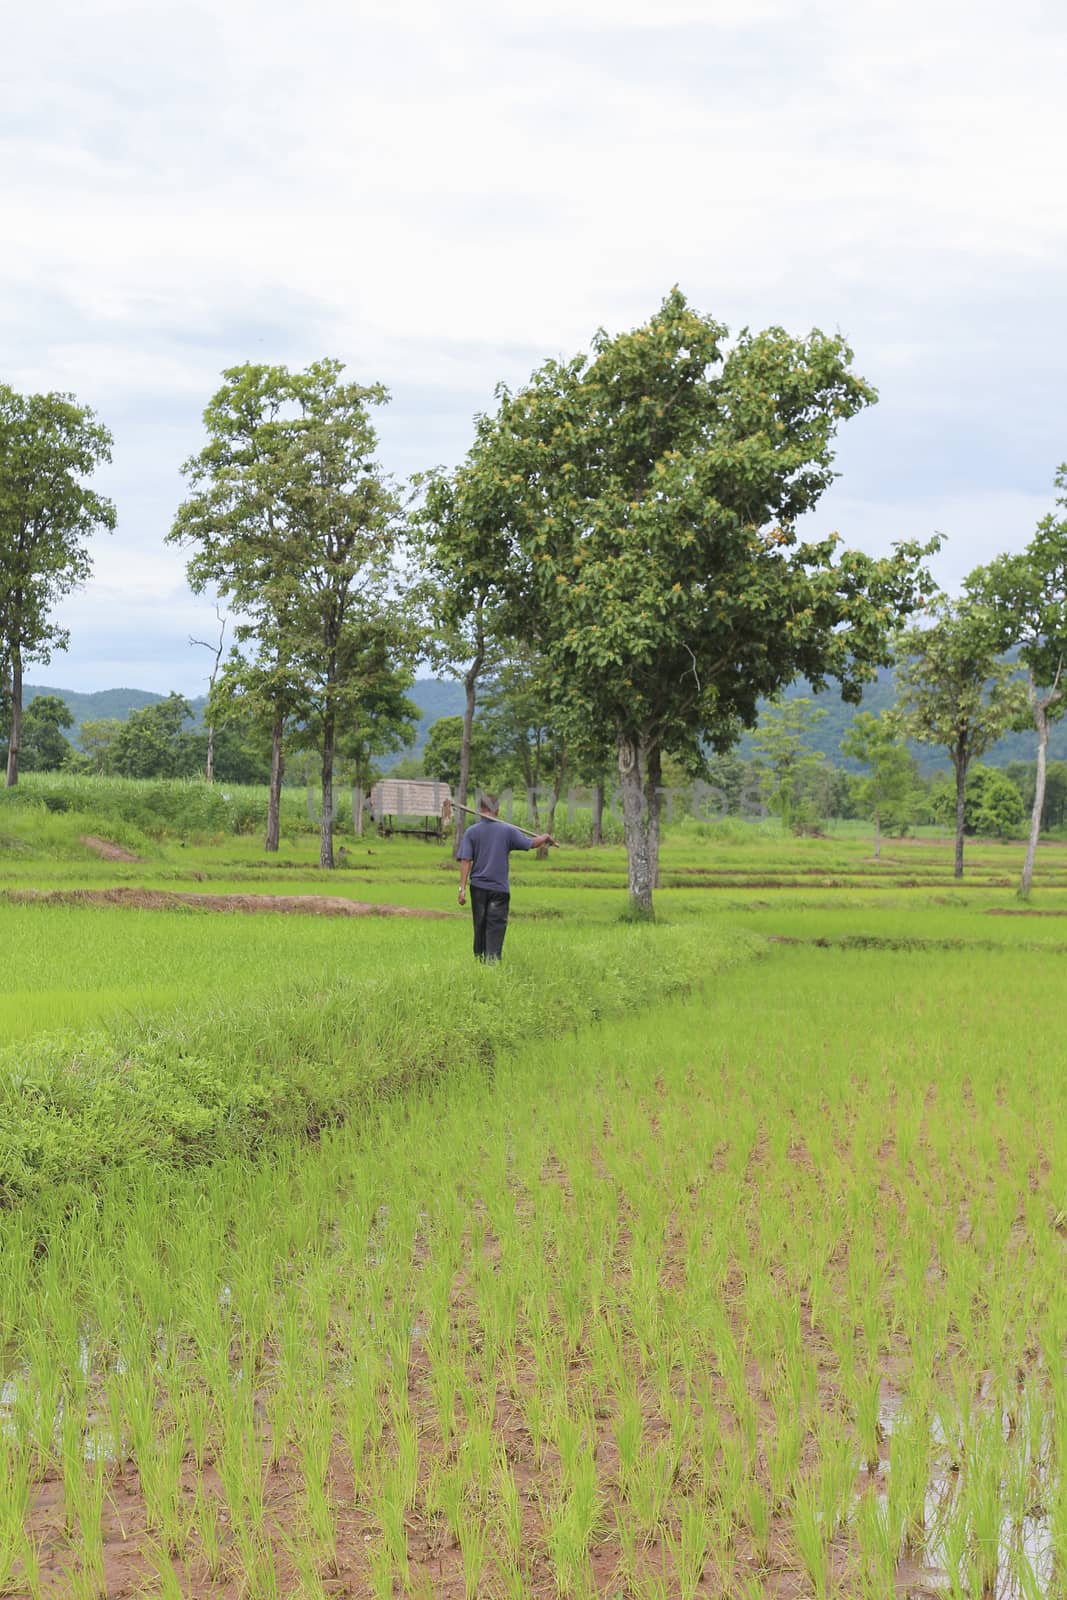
pixel 722 1258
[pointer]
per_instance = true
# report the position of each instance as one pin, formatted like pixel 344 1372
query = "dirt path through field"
pixel 314 905
pixel 106 850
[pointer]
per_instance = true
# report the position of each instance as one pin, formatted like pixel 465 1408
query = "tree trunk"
pixel 15 739
pixel 961 788
pixel 639 866
pixel 277 772
pixel 598 814
pixel 533 813
pixel 653 802
pixel 878 836
pixel 470 683
pixel 209 763
pixel 357 807
pixel 326 830
pixel 1041 719
pixel 557 789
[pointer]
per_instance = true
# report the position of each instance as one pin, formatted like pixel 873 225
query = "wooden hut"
pixel 410 805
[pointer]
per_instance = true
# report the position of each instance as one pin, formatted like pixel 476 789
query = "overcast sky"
pixel 443 196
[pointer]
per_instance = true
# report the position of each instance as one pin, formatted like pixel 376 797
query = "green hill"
pixel 435 697
pixel 443 697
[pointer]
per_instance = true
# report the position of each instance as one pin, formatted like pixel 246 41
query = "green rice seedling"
pixel 909 1476
pixel 382 1573
pixel 508 1511
pixel 14 1506
pixel 757 1506
pixel 867 1407
pixel 446 1496
pixel 1024 1577
pixel 876 1547
pixel 205 1524
pixel 690 1547
pixel 361 1425
pixel 837 1478
pixel 72 1461
pixel 570 1521
pixel 444 1386
pixel 783 1451
pixel 315 1447
pixel 390 1509
pixel 406 1436
pixel 627 1534
pixel 166 1585
pixel 534 1416
pixel 30 1578
pixel 473 1537
pixel 170 1512
pixel 810 1534
pixel 629 1432
pixel 303 1558
pixel 982 1504
pixel 89 1500
pixel 650 1486
pixel 953 1547
pixel 651 1586
pixel 709 1444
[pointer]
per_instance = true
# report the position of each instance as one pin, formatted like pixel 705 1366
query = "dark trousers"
pixel 490 912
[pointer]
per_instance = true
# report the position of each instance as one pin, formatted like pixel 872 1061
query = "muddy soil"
pixel 106 850
pixel 314 905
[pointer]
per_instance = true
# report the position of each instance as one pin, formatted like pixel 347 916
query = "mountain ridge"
pixel 443 697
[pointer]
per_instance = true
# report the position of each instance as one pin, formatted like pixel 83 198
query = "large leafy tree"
pixel 49 448
pixel 293 521
pixel 45 746
pixel 1027 594
pixel 639 505
pixel 156 741
pixel 954 689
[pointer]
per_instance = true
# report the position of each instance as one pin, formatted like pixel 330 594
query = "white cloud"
pixel 444 196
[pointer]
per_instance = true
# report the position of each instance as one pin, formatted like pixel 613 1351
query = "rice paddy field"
pixel 724 1257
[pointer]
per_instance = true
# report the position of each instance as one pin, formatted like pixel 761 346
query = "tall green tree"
pixel 45 746
pixel 1027 594
pixel 295 523
pixel 954 689
pixel 235 520
pixel 96 744
pixel 639 506
pixel 49 448
pixel 259 691
pixel 885 793
pixel 788 762
pixel 458 548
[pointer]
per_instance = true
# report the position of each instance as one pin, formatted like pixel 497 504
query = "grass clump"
pixel 198 1081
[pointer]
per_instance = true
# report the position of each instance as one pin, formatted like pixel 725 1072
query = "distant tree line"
pixel 614 573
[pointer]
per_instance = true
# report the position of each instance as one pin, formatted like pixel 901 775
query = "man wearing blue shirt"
pixel 483 860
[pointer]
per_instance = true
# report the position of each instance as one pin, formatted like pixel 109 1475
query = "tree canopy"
pixel 638 505
pixel 956 690
pixel 49 447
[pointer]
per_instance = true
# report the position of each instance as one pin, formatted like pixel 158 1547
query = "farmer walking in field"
pixel 483 860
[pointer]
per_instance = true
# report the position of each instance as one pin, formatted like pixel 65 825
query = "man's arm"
pixel 464 874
